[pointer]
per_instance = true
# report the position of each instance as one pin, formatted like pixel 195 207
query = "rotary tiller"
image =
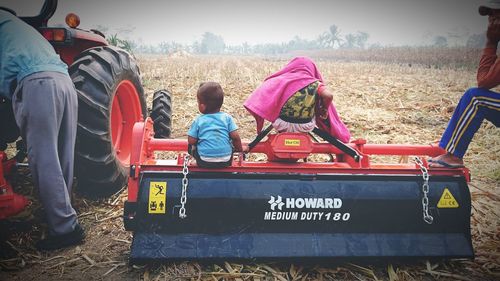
pixel 288 208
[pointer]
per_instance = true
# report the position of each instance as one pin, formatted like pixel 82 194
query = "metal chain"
pixel 185 172
pixel 425 190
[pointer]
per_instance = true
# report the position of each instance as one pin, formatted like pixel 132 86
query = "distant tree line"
pixel 211 43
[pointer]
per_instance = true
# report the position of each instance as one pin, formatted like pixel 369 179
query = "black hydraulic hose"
pixel 338 144
pixel 259 137
pixel 317 140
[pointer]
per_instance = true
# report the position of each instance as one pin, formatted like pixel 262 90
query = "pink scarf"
pixel 267 100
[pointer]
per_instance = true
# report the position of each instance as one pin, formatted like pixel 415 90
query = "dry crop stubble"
pixel 381 102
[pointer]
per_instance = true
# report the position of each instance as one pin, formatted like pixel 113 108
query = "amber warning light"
pixel 72 20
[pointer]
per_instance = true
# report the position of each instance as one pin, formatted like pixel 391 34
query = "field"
pixel 380 102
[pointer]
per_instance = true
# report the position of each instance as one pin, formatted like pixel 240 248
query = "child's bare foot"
pixel 447 160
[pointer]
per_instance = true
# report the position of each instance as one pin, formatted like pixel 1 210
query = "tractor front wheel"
pixel 110 101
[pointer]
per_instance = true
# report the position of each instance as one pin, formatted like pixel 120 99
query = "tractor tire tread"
pixel 96 73
pixel 161 114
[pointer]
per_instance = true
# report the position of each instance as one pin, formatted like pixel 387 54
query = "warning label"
pixel 157 197
pixel 292 142
pixel 447 200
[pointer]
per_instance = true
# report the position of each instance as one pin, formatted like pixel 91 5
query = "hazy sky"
pixel 396 22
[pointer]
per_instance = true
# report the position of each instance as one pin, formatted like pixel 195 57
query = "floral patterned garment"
pixel 299 108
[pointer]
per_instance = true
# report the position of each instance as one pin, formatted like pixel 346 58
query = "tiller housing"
pixel 10 203
pixel 286 209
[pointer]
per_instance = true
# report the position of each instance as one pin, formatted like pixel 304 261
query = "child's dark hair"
pixel 211 95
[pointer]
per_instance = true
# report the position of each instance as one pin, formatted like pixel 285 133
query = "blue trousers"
pixel 475 105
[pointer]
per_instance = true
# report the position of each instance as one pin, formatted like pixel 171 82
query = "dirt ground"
pixel 383 103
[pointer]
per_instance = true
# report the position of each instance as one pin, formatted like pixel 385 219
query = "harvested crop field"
pixel 380 102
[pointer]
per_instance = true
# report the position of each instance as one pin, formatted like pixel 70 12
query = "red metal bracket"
pixel 283 152
pixel 10 202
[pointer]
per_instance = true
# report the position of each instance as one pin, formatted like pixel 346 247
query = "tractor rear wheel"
pixel 162 114
pixel 110 101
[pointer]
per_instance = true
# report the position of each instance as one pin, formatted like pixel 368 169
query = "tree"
pixel 350 41
pixel 440 41
pixel 361 39
pixel 476 41
pixel 212 44
pixel 196 47
pixel 335 35
pixel 357 40
pixel 246 48
pixel 329 38
pixel 324 40
pixel 164 47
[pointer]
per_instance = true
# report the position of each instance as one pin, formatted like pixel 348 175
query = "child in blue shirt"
pixel 213 136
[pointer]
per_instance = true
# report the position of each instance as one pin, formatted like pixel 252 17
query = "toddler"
pixel 213 136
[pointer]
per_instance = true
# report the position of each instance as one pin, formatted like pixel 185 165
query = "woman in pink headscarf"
pixel 294 99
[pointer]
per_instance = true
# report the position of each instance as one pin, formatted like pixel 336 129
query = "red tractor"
pixel 111 100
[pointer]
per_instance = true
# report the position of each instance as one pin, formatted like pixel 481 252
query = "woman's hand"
pixel 323 113
pixel 325 102
pixel 245 148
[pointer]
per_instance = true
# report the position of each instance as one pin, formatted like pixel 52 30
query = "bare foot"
pixel 447 160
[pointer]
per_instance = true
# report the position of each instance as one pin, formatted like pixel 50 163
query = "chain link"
pixel 185 172
pixel 425 190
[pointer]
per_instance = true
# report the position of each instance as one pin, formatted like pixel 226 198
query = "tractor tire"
pixel 110 101
pixel 161 114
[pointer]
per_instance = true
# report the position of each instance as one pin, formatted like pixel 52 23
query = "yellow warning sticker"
pixel 157 197
pixel 292 142
pixel 447 200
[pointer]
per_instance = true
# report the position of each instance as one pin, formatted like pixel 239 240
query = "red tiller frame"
pixel 10 202
pixel 144 145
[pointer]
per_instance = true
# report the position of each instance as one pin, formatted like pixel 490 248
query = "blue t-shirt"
pixel 212 131
pixel 23 51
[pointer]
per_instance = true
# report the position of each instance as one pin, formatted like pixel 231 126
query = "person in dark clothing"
pixel 476 104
